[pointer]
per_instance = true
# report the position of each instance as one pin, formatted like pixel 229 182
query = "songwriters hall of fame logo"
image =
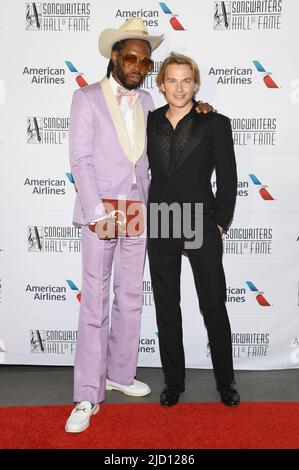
pixel 222 15
pixel 52 130
pixel 56 16
pixel 249 15
pixel 35 239
pixel 255 131
pixel 34 130
pixel 38 341
pixel 249 345
pixel 33 16
pixel 60 342
pixel 54 239
pixel 149 82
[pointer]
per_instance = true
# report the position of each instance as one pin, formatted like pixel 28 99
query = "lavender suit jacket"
pixel 99 162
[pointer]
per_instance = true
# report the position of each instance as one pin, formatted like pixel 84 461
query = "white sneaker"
pixel 79 418
pixel 137 389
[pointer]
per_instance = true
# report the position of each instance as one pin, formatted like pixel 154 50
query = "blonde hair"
pixel 179 59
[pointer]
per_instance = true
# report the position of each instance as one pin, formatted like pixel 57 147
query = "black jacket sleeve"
pixel 226 172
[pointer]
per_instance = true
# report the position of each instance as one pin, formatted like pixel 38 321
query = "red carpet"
pixel 149 426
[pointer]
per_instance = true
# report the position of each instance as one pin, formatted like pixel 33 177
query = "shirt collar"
pixel 191 113
pixel 114 84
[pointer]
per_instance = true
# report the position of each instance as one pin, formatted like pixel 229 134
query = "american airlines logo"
pixel 259 295
pixel 173 18
pixel 268 81
pixel 78 75
pixel 262 188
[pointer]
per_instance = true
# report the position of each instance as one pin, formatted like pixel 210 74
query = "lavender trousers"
pixel 104 352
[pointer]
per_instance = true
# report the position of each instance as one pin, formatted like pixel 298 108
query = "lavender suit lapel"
pixel 132 153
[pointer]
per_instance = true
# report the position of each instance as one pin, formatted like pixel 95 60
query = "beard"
pixel 124 78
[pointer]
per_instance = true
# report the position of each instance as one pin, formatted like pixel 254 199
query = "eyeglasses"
pixel 131 60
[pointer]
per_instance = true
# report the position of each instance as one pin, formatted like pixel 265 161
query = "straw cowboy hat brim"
pixel 134 28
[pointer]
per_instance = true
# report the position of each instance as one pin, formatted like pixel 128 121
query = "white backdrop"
pixel 248 57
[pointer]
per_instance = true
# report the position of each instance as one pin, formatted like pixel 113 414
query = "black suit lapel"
pixel 196 134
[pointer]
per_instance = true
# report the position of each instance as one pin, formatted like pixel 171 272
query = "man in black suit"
pixel 184 148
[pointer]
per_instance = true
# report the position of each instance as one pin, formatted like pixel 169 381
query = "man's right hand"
pixel 106 229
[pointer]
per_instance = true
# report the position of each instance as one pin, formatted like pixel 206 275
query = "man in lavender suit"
pixel 108 158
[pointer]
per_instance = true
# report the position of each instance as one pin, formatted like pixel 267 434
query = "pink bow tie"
pixel 131 94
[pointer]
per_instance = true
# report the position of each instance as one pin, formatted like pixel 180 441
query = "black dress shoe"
pixel 229 394
pixel 170 395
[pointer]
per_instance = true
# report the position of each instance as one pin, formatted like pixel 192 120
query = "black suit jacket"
pixel 209 146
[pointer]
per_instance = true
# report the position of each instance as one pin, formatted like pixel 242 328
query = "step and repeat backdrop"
pixel 247 52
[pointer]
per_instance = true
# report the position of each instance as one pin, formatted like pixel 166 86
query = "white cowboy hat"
pixel 134 28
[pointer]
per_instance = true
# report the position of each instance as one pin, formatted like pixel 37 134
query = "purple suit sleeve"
pixel 81 137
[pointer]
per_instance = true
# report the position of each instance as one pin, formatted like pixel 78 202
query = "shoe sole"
pixel 231 405
pixel 96 410
pixel 168 406
pixel 131 394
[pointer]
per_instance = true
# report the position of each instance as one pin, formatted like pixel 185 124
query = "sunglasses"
pixel 131 61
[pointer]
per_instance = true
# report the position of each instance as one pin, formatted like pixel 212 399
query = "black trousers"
pixel 206 262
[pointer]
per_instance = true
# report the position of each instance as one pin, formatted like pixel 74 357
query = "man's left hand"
pixel 204 108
